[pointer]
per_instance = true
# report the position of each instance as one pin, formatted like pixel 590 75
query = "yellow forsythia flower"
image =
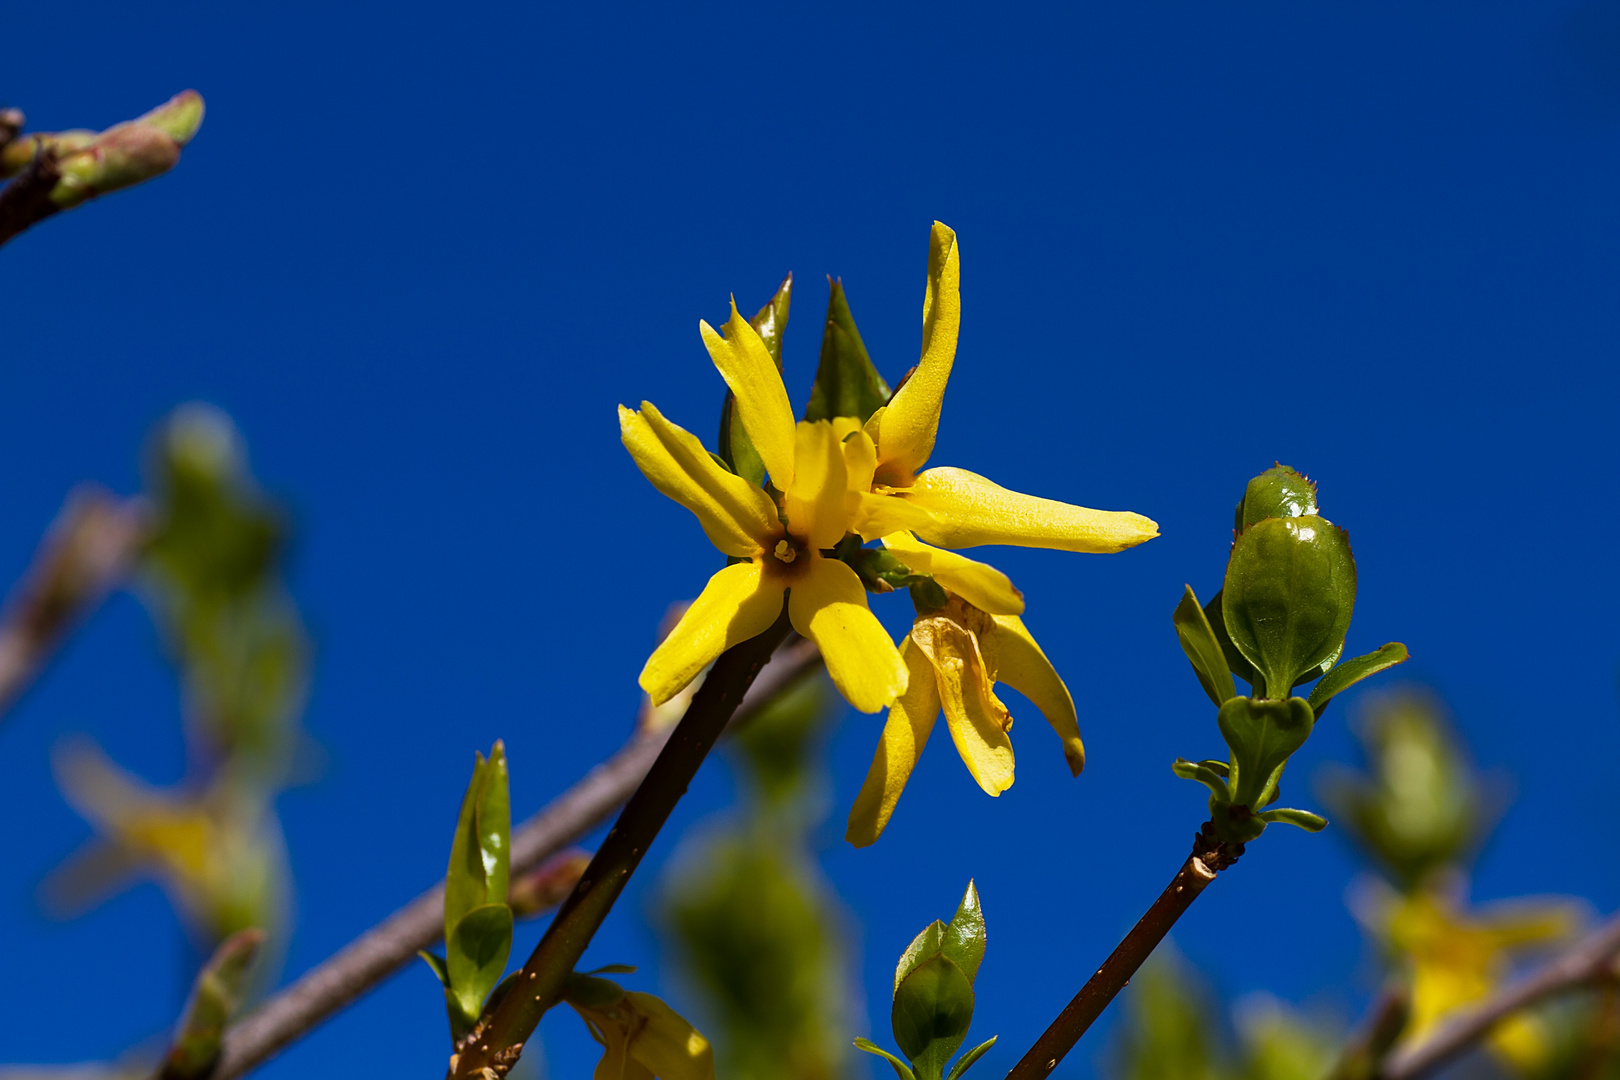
pixel 642 1038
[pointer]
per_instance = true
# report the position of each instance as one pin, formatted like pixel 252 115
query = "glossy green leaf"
pixel 901 1069
pixel 933 1008
pixel 965 1062
pixel 436 962
pixel 737 451
pixel 924 945
pixel 464 885
pixel 1200 772
pixel 1279 492
pixel 475 955
pixel 1349 672
pixel 590 992
pixel 1303 818
pixel 846 382
pixel 495 824
pixel 964 937
pixel 1236 663
pixel 1262 733
pixel 1203 649
pixel 1290 590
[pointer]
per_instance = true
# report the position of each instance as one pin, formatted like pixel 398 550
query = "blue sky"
pixel 420 253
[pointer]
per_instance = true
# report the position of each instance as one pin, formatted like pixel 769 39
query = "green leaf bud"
pixel 1279 492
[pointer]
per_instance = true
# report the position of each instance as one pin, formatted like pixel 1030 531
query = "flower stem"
pixel 1209 857
pixel 494 1044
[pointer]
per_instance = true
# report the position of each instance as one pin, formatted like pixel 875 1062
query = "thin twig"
pixel 392 943
pixel 26 201
pixel 88 550
pixel 1587 961
pixel 493 1046
pixel 1209 857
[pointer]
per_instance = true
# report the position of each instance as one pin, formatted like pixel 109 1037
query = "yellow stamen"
pixel 786 551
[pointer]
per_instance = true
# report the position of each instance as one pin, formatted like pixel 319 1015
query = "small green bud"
pixel 1279 492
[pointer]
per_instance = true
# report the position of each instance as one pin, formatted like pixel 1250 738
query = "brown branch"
pixel 392 943
pixel 1209 857
pixel 493 1046
pixel 1586 962
pixel 88 550
pixel 26 201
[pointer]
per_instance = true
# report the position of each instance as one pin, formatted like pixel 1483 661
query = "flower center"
pixel 785 551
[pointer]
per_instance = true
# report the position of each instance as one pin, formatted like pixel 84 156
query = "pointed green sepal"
pixel 1347 673
pixel 965 1062
pixel 1303 818
pixel 846 382
pixel 436 962
pixel 1203 649
pixel 901 1069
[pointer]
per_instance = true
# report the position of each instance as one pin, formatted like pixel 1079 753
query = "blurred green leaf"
pixel 846 382
pixel 1289 594
pixel 216 994
pixel 1347 673
pixel 475 955
pixel 933 1008
pixel 1203 649
pixel 964 937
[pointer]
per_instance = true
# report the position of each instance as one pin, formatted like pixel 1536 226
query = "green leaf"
pixel 1349 672
pixel 1279 492
pixel 1303 818
pixel 965 1062
pixel 465 886
pixel 846 382
pixel 1235 661
pixel 1203 649
pixel 1262 733
pixel 1219 768
pixel 590 992
pixel 475 955
pixel 495 824
pixel 613 969
pixel 1290 590
pixel 215 995
pixel 964 938
pixel 901 1069
pixel 924 945
pixel 1202 773
pixel 437 964
pixel 933 1008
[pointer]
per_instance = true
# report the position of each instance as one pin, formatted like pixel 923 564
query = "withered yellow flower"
pixel 642 1038
pixel 955 656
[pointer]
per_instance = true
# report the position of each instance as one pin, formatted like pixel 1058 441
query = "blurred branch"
pixel 26 201
pixel 1209 857
pixel 1586 962
pixel 392 943
pixel 1364 1055
pixel 86 552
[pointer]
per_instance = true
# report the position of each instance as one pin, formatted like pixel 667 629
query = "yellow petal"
pixel 1017 661
pixel 666 1044
pixel 970 510
pixel 828 606
pixel 905 733
pixel 980 584
pixel 762 401
pixel 816 503
pixel 911 419
pixel 737 516
pixel 977 719
pixel 738 603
